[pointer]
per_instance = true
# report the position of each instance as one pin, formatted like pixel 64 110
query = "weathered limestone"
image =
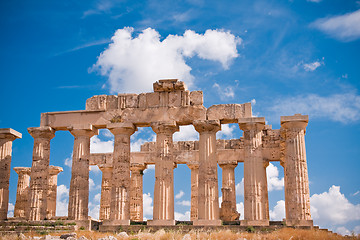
pixel 194 191
pixel 79 184
pixel 136 192
pixel 163 211
pixel 22 193
pixel 256 204
pixel 228 206
pixel 39 172
pixel 52 191
pixel 120 187
pixel 105 193
pixel 7 136
pixel 208 199
pixel 297 194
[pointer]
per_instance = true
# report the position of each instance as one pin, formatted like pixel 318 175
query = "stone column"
pixel 256 204
pixel 105 193
pixel 136 192
pixel 22 192
pixel 7 136
pixel 52 190
pixel 79 184
pixel 39 172
pixel 120 187
pixel 208 199
pixel 163 211
pixel 297 194
pixel 194 191
pixel 228 206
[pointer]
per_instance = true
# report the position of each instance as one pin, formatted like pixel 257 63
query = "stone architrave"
pixel 194 191
pixel 7 136
pixel 163 211
pixel 208 199
pixel 136 192
pixel 228 206
pixel 256 204
pixel 297 194
pixel 52 191
pixel 39 172
pixel 120 187
pixel 79 184
pixel 22 192
pixel 105 193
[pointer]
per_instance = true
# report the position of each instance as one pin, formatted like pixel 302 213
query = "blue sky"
pixel 286 57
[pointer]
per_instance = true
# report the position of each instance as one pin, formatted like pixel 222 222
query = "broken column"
pixel 7 136
pixel 297 194
pixel 52 191
pixel 79 184
pixel 105 193
pixel 208 200
pixel 136 192
pixel 39 172
pixel 194 191
pixel 256 204
pixel 22 192
pixel 228 206
pixel 120 187
pixel 163 211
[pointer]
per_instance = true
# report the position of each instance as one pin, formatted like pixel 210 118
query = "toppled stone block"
pixel 229 113
pixel 196 98
pixel 169 85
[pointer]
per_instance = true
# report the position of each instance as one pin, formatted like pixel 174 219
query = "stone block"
pixel 152 99
pixel 142 100
pixel 131 101
pixel 229 113
pixel 196 98
pixel 111 102
pixel 185 98
pixel 96 103
pixel 203 222
pixel 295 117
pixel 161 222
pixel 175 99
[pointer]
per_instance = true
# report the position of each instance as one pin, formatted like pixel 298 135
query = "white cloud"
pixel 227 131
pixel 343 108
pixel 106 133
pixel 343 27
pixel 332 207
pixel 220 201
pixel 356 193
pixel 182 216
pixel 315 1
pixel 356 229
pixel 68 162
pixel 94 210
pixel 240 209
pixel 62 200
pixel 11 208
pixel 343 231
pixel 95 169
pixel 135 145
pixel 239 188
pixel 179 195
pixel 148 168
pixel 92 185
pixel 184 203
pixel 224 92
pixel 97 197
pixel 99 146
pixel 253 102
pixel 310 67
pixel 186 133
pixel 133 64
pixel 278 213
pixel 273 180
pixel 147 205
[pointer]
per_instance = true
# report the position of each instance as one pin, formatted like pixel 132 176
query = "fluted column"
pixel 120 186
pixel 52 191
pixel 256 204
pixel 39 172
pixel 228 205
pixel 22 192
pixel 297 194
pixel 7 136
pixel 105 193
pixel 208 199
pixel 136 192
pixel 163 211
pixel 79 184
pixel 194 191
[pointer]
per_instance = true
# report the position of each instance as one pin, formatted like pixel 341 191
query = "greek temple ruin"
pixel 169 106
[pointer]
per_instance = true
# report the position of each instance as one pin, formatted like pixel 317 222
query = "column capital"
pixel 104 169
pixel 193 166
pixel 230 165
pixel 296 121
pixel 207 125
pixel 9 133
pixel 42 132
pixel 22 170
pixel 165 127
pixel 252 123
pixel 55 170
pixel 137 167
pixel 121 128
pixel 83 130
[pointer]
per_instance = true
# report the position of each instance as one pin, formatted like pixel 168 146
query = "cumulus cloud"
pixel 99 146
pixel 310 67
pixel 11 208
pixel 132 64
pixel 184 203
pixel 149 168
pixel 278 213
pixel 224 92
pixel 92 185
pixel 62 200
pixel 147 206
pixel 273 180
pixel 95 169
pixel 186 133
pixel 239 188
pixel 182 216
pixel 179 195
pixel 226 132
pixel 141 136
pixel 94 210
pixel 240 209
pixel 343 27
pixel 343 231
pixel 68 162
pixel 343 108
